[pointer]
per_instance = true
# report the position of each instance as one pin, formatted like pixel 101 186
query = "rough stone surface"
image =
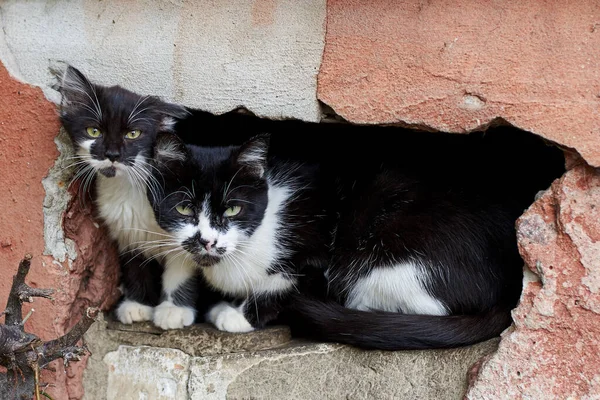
pixel 147 373
pixel 68 260
pixel 262 54
pixel 553 349
pixel 458 65
pixel 264 364
pixel 106 335
pixel 324 371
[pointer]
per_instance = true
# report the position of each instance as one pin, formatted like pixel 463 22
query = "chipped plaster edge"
pixel 57 197
pixel 56 201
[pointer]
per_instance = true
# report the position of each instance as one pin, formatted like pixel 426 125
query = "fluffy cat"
pixel 240 219
pixel 113 131
pixel 407 256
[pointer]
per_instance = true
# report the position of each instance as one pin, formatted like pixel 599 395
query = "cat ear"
pixel 75 87
pixel 170 114
pixel 169 151
pixel 253 154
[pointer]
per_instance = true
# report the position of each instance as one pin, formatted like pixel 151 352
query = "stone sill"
pixel 199 362
pixel 198 340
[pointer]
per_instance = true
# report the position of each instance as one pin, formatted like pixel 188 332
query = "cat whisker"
pixel 147 231
pixel 243 201
pixel 226 191
pixel 137 104
pixel 239 266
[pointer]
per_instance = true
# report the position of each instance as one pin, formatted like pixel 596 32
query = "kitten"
pixel 113 131
pixel 408 256
pixel 240 219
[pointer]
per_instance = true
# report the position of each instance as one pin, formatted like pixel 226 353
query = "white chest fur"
pixel 127 213
pixel 246 270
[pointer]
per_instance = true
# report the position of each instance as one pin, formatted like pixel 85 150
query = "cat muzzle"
pixel 108 172
pixel 206 260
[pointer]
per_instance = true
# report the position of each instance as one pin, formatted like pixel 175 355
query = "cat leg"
pixel 141 287
pixel 253 313
pixel 226 317
pixel 179 295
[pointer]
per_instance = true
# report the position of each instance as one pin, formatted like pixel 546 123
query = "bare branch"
pixel 14 340
pixel 27 293
pixel 57 348
pixel 25 354
pixel 14 314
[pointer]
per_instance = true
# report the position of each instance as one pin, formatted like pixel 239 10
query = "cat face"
pixel 112 128
pixel 213 199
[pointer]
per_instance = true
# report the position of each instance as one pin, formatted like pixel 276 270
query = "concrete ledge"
pixel 140 361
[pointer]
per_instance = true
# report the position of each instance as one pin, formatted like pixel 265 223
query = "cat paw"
pixel 226 318
pixel 130 311
pixel 169 316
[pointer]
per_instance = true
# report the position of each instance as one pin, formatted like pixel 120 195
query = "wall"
pixel 449 65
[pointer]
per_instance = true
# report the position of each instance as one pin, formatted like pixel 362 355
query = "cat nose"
pixel 207 244
pixel 112 155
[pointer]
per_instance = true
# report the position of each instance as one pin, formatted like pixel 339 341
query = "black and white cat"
pixel 242 221
pixel 113 131
pixel 414 256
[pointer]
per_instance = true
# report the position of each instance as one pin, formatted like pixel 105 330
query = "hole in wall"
pixel 514 163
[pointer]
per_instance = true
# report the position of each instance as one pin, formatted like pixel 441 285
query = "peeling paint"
pixel 57 199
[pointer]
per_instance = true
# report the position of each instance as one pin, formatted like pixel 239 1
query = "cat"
pixel 113 131
pixel 240 219
pixel 376 253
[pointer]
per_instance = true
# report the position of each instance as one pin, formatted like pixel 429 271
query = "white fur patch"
pixel 254 157
pixel 396 288
pixel 169 151
pixel 86 146
pixel 126 211
pixel 130 311
pixel 169 316
pixel 229 319
pixel 208 232
pixel 167 124
pixel 178 269
pixel 245 269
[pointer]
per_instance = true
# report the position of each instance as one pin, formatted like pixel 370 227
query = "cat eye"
pixel 134 134
pixel 232 211
pixel 93 132
pixel 185 210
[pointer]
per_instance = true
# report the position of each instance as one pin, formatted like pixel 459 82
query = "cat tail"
pixel 331 322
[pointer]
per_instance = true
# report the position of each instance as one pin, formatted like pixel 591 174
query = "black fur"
pixel 449 200
pixel 234 176
pixel 329 321
pixel 114 111
pixel 140 279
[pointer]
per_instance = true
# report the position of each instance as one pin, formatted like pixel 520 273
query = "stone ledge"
pixel 140 361
pixel 197 340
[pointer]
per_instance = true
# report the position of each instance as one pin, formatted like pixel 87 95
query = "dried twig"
pixel 24 353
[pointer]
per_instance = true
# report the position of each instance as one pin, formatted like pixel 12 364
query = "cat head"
pixel 213 198
pixel 113 129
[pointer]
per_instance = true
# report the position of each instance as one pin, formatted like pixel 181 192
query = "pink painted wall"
pixel 28 126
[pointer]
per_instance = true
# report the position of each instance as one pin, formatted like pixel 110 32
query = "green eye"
pixel 93 132
pixel 134 134
pixel 185 210
pixel 232 211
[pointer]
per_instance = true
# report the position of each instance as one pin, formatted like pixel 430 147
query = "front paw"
pixel 169 316
pixel 130 311
pixel 229 319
